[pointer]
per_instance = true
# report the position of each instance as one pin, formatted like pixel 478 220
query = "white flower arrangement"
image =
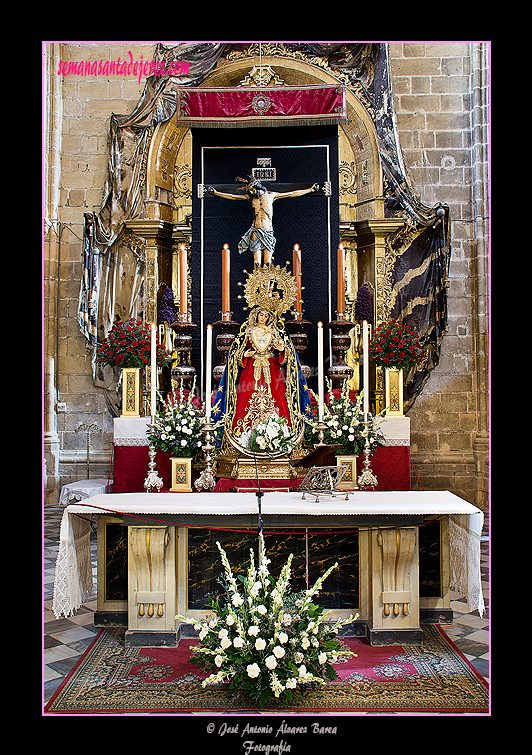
pixel 271 435
pixel 344 422
pixel 261 633
pixel 179 425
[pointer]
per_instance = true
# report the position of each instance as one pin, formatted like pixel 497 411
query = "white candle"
pixel 153 373
pixel 365 348
pixel 183 283
pixel 226 283
pixel 208 376
pixel 321 384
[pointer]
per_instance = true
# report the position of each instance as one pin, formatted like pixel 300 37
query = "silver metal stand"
pixel 206 479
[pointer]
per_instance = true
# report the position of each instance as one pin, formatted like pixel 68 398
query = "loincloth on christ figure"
pixel 265 240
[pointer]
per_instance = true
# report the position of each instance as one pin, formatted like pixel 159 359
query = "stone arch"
pixel 358 140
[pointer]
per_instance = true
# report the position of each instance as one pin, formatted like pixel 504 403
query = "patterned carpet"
pixel 65 640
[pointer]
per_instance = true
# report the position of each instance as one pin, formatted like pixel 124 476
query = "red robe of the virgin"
pixel 254 401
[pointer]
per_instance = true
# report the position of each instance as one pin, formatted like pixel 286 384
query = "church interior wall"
pixel 434 98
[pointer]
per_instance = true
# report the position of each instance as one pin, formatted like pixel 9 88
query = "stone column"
pixel 374 266
pixel 158 237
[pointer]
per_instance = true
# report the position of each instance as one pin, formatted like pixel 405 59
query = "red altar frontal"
pixel 390 464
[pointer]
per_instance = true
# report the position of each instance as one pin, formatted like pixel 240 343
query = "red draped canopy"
pixel 245 106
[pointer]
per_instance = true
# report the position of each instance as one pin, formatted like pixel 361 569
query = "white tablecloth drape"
pixel 73 578
pixel 82 489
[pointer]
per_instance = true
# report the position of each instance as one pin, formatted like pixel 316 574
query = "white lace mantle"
pixel 464 557
pixel 73 569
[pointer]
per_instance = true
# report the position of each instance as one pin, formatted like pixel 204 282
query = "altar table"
pixel 158 523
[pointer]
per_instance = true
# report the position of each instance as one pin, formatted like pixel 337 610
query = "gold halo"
pixel 273 288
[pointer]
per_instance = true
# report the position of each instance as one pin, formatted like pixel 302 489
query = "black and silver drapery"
pixel 365 67
pixel 90 280
pixel 419 296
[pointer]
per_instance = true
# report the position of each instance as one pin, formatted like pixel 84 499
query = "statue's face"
pixel 255 190
pixel 263 317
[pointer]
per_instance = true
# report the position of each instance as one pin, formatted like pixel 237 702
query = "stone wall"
pixel 440 94
pixel 442 115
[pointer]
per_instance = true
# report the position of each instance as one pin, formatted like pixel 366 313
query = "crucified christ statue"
pixel 260 239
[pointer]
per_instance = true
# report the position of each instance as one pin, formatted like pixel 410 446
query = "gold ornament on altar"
pixel 271 287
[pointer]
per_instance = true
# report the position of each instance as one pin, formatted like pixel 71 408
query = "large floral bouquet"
pixel 344 422
pixel 394 344
pixel 178 426
pixel 264 640
pixel 272 435
pixel 128 344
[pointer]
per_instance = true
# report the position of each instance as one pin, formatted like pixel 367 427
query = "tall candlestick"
pixel 365 371
pixel 153 372
pixel 183 283
pixel 226 283
pixel 297 275
pixel 341 282
pixel 321 385
pixel 208 376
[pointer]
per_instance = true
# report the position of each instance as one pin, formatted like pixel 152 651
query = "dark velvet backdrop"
pixel 303 155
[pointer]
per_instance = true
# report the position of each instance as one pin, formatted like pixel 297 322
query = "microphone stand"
pixel 259 495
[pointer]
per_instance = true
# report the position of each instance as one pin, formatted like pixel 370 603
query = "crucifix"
pixel 260 239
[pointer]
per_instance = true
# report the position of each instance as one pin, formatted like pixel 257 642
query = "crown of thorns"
pixel 250 184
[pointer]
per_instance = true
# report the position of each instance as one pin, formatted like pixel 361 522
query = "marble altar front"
pixel 156 555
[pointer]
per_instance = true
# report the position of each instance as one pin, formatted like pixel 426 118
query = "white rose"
pixel 223 633
pixel 322 658
pixel 287 619
pixel 291 683
pixel 278 651
pixel 238 642
pixel 218 660
pixel 271 663
pixel 253 670
pixel 262 610
pixel 183 442
pixel 236 600
pixel 204 632
pixel 302 670
pixel 260 644
pixel 230 620
pixel 225 643
pixel 253 631
pixel 298 657
pixel 283 637
pixel 305 643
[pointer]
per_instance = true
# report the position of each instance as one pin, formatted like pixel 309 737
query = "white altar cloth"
pixel 75 491
pixel 72 579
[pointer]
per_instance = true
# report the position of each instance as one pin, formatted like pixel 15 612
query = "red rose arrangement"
pixel 128 344
pixel 394 344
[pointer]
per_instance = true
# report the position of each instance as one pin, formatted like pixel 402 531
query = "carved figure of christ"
pixel 259 239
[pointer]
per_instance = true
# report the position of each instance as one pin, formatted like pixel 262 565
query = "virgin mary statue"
pixel 262 378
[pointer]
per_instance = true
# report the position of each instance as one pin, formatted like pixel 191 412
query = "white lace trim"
pixel 73 569
pixel 464 557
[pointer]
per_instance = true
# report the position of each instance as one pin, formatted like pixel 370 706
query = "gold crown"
pixel 273 288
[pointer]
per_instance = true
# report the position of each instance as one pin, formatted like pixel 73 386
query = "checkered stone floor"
pixel 65 640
